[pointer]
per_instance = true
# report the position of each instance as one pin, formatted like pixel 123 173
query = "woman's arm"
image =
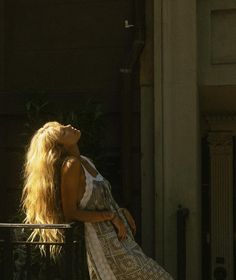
pixel 72 189
pixel 129 219
pixel 120 227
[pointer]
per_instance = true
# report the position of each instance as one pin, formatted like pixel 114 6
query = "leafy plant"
pixel 88 117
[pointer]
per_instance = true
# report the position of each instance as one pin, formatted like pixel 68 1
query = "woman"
pixel 60 186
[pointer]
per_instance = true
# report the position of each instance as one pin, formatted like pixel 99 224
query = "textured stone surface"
pixel 216 42
pixel 179 124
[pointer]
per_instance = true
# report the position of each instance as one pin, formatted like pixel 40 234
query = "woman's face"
pixel 69 135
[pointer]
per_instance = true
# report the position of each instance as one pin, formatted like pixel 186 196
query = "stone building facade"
pixel 188 110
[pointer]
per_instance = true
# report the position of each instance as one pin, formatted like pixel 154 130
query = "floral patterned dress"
pixel 108 257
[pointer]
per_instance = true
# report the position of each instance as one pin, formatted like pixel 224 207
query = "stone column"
pixel 221 178
pixel 176 134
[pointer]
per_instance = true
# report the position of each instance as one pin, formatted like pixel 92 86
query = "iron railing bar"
pixel 68 255
pixel 28 261
pixel 70 248
pixel 38 226
pixel 48 268
pixel 8 256
pixel 36 243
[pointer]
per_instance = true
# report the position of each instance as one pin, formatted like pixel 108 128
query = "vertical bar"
pixel 158 130
pixel 8 255
pixel 48 268
pixel 68 254
pixel 234 202
pixel 28 261
pixel 221 178
pixel 129 70
pixel 85 274
pixel 126 116
pixel 75 252
pixel 81 252
pixel 205 215
pixel 182 214
pixel 2 54
pixel 76 266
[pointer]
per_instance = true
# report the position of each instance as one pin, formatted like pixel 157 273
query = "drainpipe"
pixel 128 75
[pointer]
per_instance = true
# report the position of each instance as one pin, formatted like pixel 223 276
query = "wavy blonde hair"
pixel 40 196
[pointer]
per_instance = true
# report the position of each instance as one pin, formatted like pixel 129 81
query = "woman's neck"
pixel 73 150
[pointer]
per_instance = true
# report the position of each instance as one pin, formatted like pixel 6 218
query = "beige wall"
pixel 217 88
pixel 194 58
pixel 217 42
pixel 180 131
pixel 176 132
pixel 217 56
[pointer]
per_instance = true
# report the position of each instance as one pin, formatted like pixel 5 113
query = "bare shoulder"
pixel 72 182
pixel 70 165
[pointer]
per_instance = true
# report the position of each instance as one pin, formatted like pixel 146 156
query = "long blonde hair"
pixel 40 200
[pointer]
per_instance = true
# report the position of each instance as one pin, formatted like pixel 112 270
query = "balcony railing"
pixel 21 259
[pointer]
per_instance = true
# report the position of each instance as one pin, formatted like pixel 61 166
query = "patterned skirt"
pixel 112 259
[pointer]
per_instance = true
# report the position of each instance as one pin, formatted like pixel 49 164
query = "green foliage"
pixel 88 116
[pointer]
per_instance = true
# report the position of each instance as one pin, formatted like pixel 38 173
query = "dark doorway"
pixel 68 51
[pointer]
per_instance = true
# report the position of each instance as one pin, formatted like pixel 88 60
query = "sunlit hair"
pixel 40 197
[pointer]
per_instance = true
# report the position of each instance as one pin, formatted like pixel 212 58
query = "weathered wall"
pixel 217 42
pixel 177 129
pixel 217 87
pixel 217 55
pixel 63 45
pixel 194 58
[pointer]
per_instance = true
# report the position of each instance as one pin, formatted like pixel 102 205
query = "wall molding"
pixel 220 122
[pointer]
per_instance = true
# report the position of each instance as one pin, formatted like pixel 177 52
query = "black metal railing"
pixel 182 214
pixel 21 259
